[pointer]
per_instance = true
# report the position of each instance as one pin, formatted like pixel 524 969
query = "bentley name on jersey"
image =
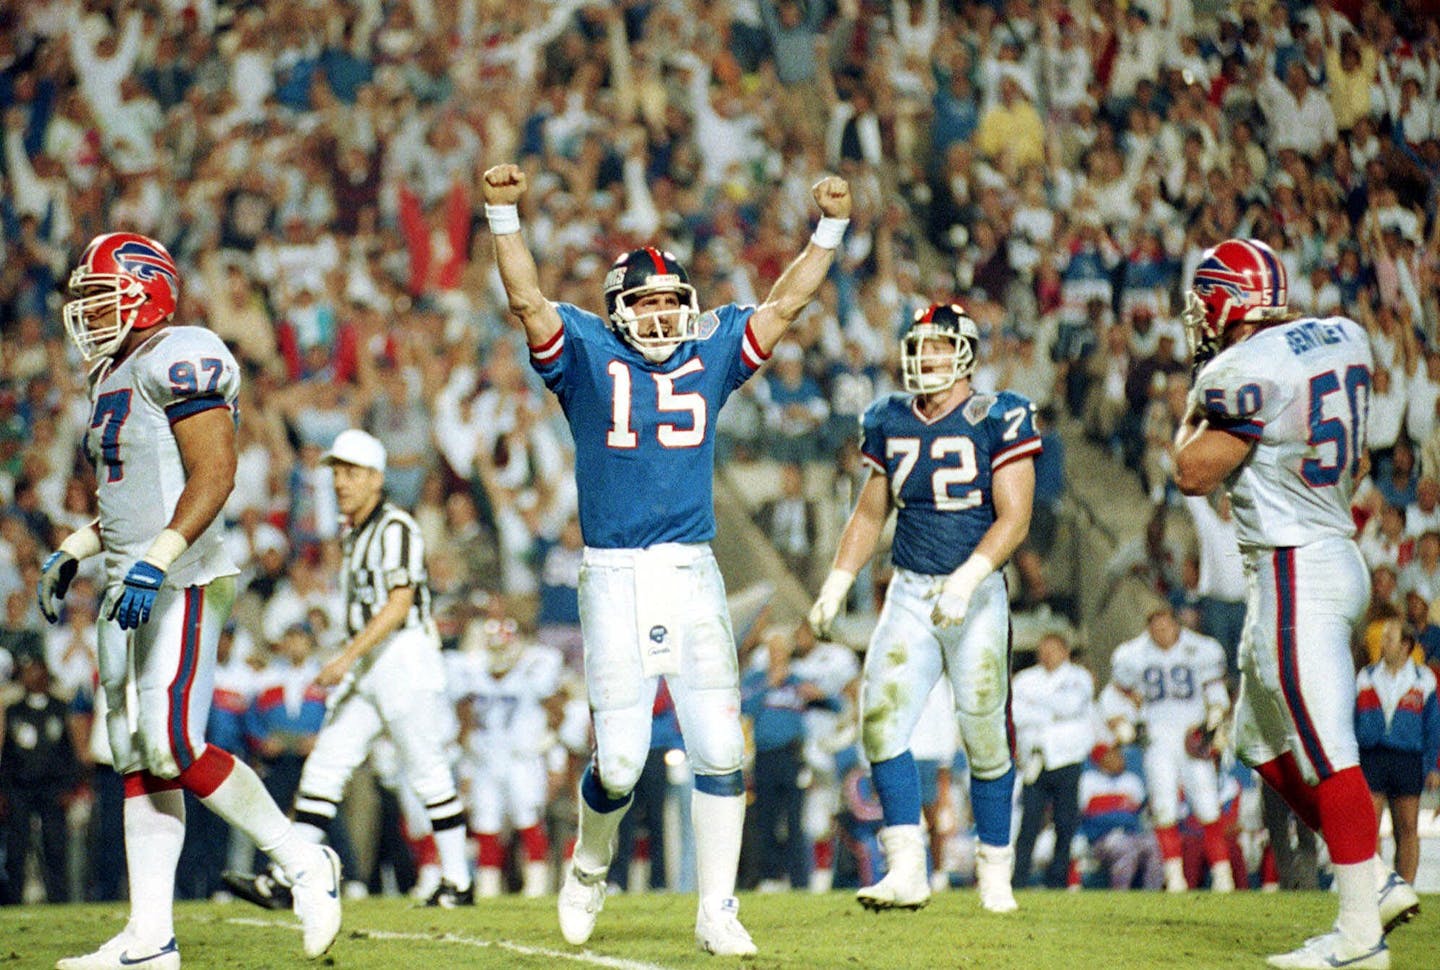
pixel 1301 392
pixel 177 373
pixel 644 432
pixel 941 470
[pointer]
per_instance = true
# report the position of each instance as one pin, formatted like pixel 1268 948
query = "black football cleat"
pixel 262 889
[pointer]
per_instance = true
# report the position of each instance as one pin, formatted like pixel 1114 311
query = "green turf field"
pixel 1130 931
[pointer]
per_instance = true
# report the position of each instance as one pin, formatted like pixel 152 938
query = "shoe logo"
pixel 1353 960
pixel 167 949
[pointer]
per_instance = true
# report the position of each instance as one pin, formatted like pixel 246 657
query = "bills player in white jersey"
pixel 1279 416
pixel 640 388
pixel 162 440
pixel 958 467
pixel 500 684
pixel 1173 682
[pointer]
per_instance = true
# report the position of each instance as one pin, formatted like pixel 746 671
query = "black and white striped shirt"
pixel 383 553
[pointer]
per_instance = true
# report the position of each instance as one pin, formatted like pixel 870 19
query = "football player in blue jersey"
pixel 641 389
pixel 958 466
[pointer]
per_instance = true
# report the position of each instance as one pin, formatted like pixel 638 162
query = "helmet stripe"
pixel 657 259
pixel 1267 274
pixel 1278 296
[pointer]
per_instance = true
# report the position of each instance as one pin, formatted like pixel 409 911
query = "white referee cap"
pixel 356 447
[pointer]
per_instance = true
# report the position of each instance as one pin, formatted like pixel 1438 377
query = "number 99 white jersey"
pixel 1301 392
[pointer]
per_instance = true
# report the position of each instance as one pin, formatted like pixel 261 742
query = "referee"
pixel 388 677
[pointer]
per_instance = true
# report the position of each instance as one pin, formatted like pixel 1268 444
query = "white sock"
pixel 719 821
pixel 1359 919
pixel 1382 870
pixel 241 800
pixel 154 834
pixel 450 846
pixel 595 842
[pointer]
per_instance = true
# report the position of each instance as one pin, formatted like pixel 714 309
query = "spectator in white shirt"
pixel 1387 412
pixel 1423 573
pixel 1423 514
pixel 1299 116
pixel 1383 540
pixel 1054 710
pixel 1222 587
pixel 1421 398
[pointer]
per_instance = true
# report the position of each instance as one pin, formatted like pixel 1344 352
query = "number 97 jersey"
pixel 176 374
pixel 940 471
pixel 1301 392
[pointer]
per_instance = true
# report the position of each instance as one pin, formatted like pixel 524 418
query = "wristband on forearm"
pixel 168 546
pixel 829 232
pixel 503 219
pixel 82 543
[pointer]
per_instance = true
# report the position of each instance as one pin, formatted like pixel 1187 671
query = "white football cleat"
pixel 994 866
pixel 124 952
pixel 718 930
pixel 1222 878
pixel 1333 950
pixel 1398 902
pixel 905 885
pixel 582 897
pixel 316 889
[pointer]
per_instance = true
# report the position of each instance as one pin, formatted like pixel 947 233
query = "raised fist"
pixel 504 184
pixel 832 195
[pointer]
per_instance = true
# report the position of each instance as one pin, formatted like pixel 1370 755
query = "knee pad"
pixel 719 752
pixel 156 755
pixel 987 744
pixel 618 773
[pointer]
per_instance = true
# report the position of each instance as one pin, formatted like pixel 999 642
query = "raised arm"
pixel 504 185
pixel 801 280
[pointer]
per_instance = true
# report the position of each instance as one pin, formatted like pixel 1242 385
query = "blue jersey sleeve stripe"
pixel 1247 428
pixel 181 410
pixel 873 462
pixel 750 351
pixel 1021 449
pixel 550 350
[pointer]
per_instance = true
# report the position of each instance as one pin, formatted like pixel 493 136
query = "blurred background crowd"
pixel 1057 167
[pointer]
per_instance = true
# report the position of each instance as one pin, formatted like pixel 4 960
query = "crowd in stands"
pixel 1057 167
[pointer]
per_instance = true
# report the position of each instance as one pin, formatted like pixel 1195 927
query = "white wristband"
pixel 837 584
pixel 503 219
pixel 82 543
pixel 168 546
pixel 829 233
pixel 971 574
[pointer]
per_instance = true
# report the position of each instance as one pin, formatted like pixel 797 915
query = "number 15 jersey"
pixel 1301 392
pixel 645 433
pixel 177 373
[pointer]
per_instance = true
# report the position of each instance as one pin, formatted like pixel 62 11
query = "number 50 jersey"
pixel 940 471
pixel 179 372
pixel 1301 392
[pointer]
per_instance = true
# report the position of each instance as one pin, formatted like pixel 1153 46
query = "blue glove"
pixel 55 576
pixel 137 597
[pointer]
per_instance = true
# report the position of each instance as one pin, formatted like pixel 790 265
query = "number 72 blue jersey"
pixel 940 471
pixel 1301 392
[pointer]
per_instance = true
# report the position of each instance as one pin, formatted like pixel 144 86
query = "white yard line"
pixel 574 956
